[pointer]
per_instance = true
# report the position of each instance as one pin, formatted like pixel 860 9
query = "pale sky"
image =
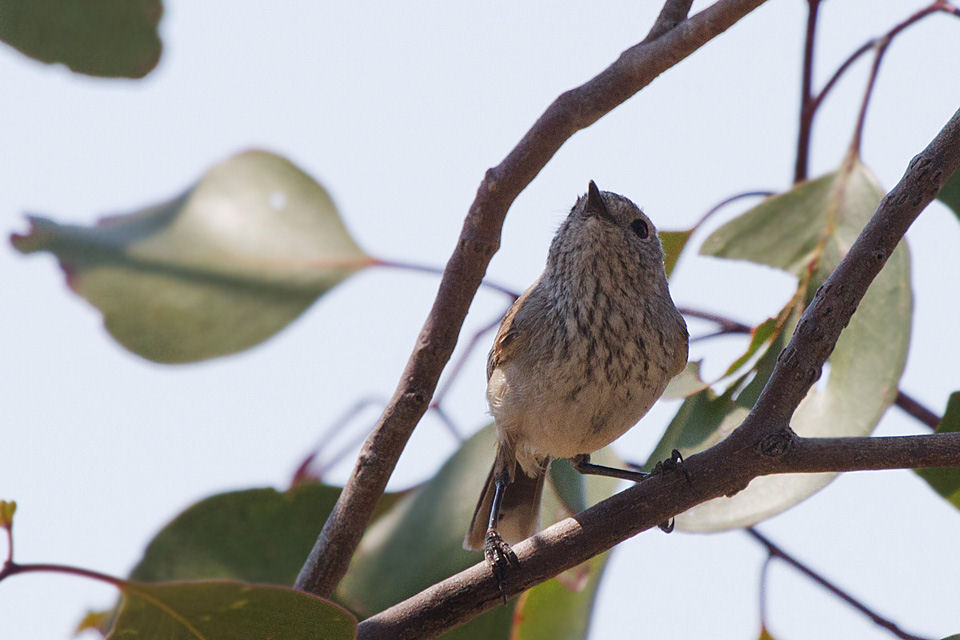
pixel 398 110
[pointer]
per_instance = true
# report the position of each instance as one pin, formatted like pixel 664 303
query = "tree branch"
pixel 775 551
pixel 801 362
pixel 479 240
pixel 764 444
pixel 673 13
pixel 722 470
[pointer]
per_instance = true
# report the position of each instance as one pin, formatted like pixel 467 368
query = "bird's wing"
pixel 505 344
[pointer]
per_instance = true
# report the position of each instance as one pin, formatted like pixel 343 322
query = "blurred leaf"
pixel 418 543
pixel 807 231
pixel 96 621
pixel 256 535
pixel 225 609
pixel 950 193
pixel 7 509
pixel 686 383
pixel 765 635
pixel 761 334
pixel 673 243
pixel 113 38
pixel 946 480
pixel 215 271
pixel 555 611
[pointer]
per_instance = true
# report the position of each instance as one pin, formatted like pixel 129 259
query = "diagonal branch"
pixel 572 111
pixel 764 444
pixel 719 471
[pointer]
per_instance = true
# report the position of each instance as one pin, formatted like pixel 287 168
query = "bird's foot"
pixel 500 557
pixel 673 464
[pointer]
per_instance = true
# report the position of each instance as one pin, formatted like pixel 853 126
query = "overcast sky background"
pixel 398 110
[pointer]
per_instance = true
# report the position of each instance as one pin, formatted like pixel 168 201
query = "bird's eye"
pixel 640 228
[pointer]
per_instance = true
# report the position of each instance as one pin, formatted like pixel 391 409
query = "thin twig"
pixel 479 240
pixel 733 198
pixel 425 268
pixel 12 569
pixel 913 408
pixel 808 105
pixel 776 552
pixel 303 472
pixel 764 576
pixel 934 7
pixel 725 324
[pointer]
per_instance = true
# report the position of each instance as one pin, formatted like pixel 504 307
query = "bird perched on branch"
pixel 579 358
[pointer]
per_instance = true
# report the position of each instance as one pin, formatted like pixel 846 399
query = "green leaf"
pixel 113 38
pixel 807 231
pixel 560 609
pixel 217 270
pixel 946 480
pixel 7 509
pixel 686 383
pixel 418 543
pixel 673 243
pixel 256 535
pixel 950 193
pixel 97 621
pixel 223 609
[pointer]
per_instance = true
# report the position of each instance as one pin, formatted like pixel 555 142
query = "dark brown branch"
pixel 808 104
pixel 763 444
pixel 776 552
pixel 917 410
pixel 722 470
pixel 673 13
pixel 479 240
pixel 801 362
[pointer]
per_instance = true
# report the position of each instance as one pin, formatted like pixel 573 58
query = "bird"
pixel 579 359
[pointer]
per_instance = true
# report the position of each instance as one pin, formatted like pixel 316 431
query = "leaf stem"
pixel 911 407
pixel 764 576
pixel 808 104
pixel 775 551
pixel 880 47
pixel 424 268
pixel 11 568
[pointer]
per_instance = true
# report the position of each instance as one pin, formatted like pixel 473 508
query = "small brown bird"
pixel 580 357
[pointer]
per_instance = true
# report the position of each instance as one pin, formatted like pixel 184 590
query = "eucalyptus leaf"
pixel 807 231
pixel 214 271
pixel 255 535
pixel 113 38
pixel 946 480
pixel 225 609
pixel 673 244
pixel 950 193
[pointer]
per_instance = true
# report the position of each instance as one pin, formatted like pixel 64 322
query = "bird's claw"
pixel 499 556
pixel 672 464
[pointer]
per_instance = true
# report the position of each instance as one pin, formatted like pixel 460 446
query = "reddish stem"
pixel 11 569
pixel 808 105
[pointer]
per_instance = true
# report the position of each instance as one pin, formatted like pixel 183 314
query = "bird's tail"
pixel 519 511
